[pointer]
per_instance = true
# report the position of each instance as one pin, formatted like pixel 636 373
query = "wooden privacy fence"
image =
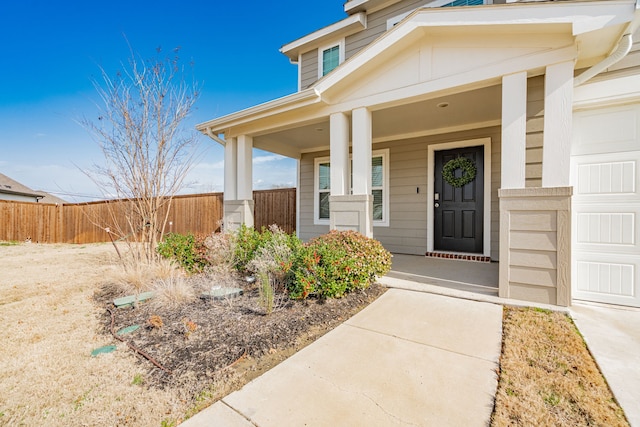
pixel 85 222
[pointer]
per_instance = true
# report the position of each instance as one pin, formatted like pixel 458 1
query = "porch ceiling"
pixel 460 111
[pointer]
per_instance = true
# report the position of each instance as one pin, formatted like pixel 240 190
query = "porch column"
pixel 558 114
pixel 351 211
pixel 339 156
pixel 230 169
pixel 535 222
pixel 514 130
pixel 239 181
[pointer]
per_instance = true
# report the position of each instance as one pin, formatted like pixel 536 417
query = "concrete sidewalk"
pixel 612 334
pixel 409 358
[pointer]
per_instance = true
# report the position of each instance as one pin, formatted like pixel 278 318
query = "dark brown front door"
pixel 458 211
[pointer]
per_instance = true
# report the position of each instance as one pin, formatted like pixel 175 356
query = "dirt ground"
pixel 53 308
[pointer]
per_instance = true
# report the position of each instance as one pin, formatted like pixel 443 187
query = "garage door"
pixel 605 160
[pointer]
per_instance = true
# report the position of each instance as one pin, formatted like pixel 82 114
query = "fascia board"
pixel 296 100
pixel 346 27
pixel 353 6
pixel 588 16
pixel 584 16
pixel 22 193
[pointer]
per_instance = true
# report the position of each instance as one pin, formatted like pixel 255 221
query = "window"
pixel 464 3
pixel 392 22
pixel 379 188
pixel 324 189
pixel 329 58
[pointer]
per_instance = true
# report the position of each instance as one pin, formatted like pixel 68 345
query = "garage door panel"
pixel 609 175
pixel 610 227
pixel 605 175
pixel 611 278
pixel 607 130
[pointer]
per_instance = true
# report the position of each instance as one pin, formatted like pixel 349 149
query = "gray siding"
pixel 535 126
pixel 407 231
pixel 307 229
pixel 309 67
pixel 377 25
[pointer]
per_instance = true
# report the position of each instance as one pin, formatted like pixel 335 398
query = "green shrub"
pixel 188 250
pixel 334 264
pixel 246 242
pixel 371 258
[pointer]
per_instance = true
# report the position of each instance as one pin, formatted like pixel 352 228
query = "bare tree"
pixel 146 149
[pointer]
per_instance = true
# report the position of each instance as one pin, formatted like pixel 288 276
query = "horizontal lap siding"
pixel 535 126
pixel 308 229
pixel 309 69
pixel 407 231
pixel 377 25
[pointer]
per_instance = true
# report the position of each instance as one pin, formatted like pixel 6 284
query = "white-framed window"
pixel 379 188
pixel 329 57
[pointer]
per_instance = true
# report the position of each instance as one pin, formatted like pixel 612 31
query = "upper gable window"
pixel 330 57
pixel 464 3
pixel 392 22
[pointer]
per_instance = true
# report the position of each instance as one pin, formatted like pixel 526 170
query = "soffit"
pixel 339 30
pixel 458 111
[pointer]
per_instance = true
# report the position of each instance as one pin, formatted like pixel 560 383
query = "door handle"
pixel 437 205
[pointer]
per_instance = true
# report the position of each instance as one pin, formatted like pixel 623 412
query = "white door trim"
pixel 431 149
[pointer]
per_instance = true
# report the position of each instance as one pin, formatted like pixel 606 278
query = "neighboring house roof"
pixel 11 186
pixel 51 199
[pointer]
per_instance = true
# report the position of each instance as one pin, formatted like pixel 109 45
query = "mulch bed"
pixel 206 341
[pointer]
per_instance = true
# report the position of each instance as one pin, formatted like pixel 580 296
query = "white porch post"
pixel 238 182
pixel 535 222
pixel 361 151
pixel 558 113
pixel 514 130
pixel 230 169
pixel 351 211
pixel 339 157
pixel 245 167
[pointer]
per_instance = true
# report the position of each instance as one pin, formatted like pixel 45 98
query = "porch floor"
pixel 468 276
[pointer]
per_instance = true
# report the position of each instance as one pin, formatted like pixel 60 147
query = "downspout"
pixel 216 138
pixel 623 48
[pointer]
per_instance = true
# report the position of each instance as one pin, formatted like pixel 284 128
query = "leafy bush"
pixel 246 242
pixel 334 264
pixel 188 250
pixel 371 258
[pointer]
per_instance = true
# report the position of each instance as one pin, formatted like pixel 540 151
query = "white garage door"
pixel 605 161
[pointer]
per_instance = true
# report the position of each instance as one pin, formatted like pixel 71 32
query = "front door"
pixel 458 204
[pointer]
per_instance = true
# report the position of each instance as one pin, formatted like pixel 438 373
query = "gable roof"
pixel 11 186
pixel 591 30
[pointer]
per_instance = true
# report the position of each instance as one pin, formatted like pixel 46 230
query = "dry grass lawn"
pixel 49 328
pixel 50 325
pixel 548 377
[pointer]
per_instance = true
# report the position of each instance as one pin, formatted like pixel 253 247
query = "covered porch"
pixel 432 85
pixel 474 277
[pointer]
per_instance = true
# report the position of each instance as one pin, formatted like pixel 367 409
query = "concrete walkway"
pixel 410 358
pixel 612 334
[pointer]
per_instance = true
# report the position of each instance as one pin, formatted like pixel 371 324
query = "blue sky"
pixel 53 49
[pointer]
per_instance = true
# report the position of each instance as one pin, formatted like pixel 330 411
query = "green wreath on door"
pixel 468 172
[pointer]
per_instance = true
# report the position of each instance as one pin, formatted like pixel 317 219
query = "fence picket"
pixel 84 222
